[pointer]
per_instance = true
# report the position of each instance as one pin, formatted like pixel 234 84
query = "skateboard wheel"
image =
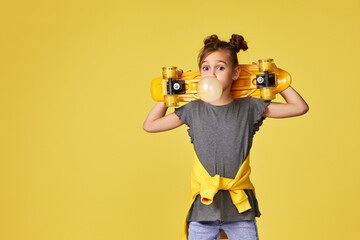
pixel 266 65
pixel 171 100
pixel 267 93
pixel 170 72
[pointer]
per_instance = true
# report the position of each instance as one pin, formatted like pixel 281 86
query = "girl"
pixel 222 132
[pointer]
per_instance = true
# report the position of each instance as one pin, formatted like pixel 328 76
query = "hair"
pixel 213 43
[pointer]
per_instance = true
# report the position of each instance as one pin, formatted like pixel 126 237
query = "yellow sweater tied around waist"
pixel 205 185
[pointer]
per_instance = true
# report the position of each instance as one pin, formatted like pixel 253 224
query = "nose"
pixel 212 73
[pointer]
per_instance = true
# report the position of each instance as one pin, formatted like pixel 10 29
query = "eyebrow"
pixel 221 61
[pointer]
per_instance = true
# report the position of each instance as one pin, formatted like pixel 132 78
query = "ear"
pixel 236 73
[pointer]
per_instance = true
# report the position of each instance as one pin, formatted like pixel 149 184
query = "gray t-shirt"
pixel 222 137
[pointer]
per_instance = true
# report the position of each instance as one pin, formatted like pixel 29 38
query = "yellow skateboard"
pixel 263 80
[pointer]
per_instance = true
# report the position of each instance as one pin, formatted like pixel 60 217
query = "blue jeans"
pixel 239 230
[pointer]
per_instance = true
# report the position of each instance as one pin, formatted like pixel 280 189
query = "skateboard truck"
pixel 266 82
pixel 174 87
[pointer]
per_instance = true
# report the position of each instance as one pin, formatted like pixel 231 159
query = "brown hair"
pixel 213 43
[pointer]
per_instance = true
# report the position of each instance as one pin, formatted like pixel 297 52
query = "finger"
pixel 180 72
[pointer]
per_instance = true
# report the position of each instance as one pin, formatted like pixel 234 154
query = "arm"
pixel 157 121
pixel 294 106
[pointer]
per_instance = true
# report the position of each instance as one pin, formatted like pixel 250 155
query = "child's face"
pixel 217 64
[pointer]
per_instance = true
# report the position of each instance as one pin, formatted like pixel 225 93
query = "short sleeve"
pixel 185 114
pixel 256 109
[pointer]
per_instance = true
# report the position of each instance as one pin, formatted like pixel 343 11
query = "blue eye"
pixel 205 68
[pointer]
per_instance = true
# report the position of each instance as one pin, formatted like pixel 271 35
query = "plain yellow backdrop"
pixel 75 163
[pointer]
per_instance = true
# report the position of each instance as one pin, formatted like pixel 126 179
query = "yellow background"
pixel 74 91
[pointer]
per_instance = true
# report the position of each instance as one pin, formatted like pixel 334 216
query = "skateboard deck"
pixel 249 83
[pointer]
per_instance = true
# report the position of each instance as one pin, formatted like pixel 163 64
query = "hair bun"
pixel 238 42
pixel 211 39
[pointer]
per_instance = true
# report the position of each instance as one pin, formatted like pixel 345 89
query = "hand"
pixel 180 73
pixel 257 63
